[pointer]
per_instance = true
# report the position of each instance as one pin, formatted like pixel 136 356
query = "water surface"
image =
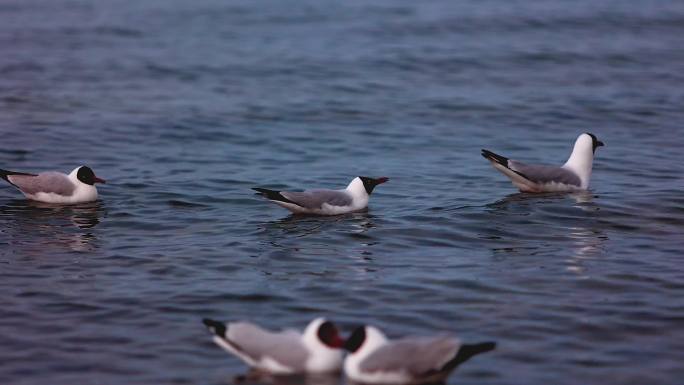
pixel 184 106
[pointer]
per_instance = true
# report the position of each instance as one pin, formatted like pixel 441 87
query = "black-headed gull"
pixel 326 202
pixel 572 176
pixel 373 359
pixel 317 350
pixel 56 187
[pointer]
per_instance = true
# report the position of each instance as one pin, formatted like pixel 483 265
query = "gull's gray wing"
pixel 285 347
pixel 545 174
pixel 416 356
pixel 46 182
pixel 314 199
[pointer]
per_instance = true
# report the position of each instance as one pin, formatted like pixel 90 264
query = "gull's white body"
pixel 304 351
pixel 525 185
pixel 373 359
pixel 355 192
pixel 351 199
pixel 49 187
pixel 581 160
pixel 574 175
pixel 375 339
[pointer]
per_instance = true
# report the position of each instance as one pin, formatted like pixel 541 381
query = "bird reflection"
pixel 350 382
pixel 587 243
pixel 301 236
pixel 254 377
pixel 37 225
pixel 581 235
pixel 583 196
pixel 84 215
pixel 525 199
pixel 305 225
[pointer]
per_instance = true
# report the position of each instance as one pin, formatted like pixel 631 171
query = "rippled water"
pixel 184 106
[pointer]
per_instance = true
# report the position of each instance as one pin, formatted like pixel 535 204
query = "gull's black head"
pixel 215 327
pixel 86 175
pixel 329 335
pixel 370 183
pixel 356 339
pixel 594 142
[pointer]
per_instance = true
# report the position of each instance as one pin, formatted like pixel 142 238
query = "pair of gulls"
pixel 79 185
pixel 572 176
pixel 371 358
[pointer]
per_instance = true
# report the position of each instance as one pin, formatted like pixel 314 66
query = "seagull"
pixel 373 359
pixel 574 175
pixel 56 187
pixel 326 202
pixel 317 350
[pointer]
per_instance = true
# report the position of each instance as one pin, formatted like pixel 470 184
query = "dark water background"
pixel 185 105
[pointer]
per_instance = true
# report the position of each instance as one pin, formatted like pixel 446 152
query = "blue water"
pixel 184 106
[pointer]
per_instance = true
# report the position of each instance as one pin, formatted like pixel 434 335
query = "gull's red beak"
pixel 381 180
pixel 330 336
pixel 98 180
pixel 337 342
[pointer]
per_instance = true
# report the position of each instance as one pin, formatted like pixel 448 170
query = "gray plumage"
pixel 46 182
pixel 314 199
pixel 417 356
pixel 285 347
pixel 545 174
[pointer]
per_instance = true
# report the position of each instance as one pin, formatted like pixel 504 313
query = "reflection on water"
pixel 582 196
pixel 37 226
pixel 301 226
pixel 527 199
pixel 551 226
pixel 84 215
pixel 306 235
pixel 350 382
pixel 191 110
pixel 587 243
pixel 254 377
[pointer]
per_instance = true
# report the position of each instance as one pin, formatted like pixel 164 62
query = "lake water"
pixel 184 106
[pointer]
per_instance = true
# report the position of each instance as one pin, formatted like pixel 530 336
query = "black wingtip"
pixel 272 195
pixel 502 160
pixel 215 327
pixel 468 351
pixel 4 174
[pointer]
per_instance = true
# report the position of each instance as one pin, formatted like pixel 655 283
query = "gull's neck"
pixel 374 340
pixel 73 175
pixel 581 161
pixel 356 188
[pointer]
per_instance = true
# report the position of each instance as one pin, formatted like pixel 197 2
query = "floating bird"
pixel 326 202
pixel 56 187
pixel 572 176
pixel 317 350
pixel 373 359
